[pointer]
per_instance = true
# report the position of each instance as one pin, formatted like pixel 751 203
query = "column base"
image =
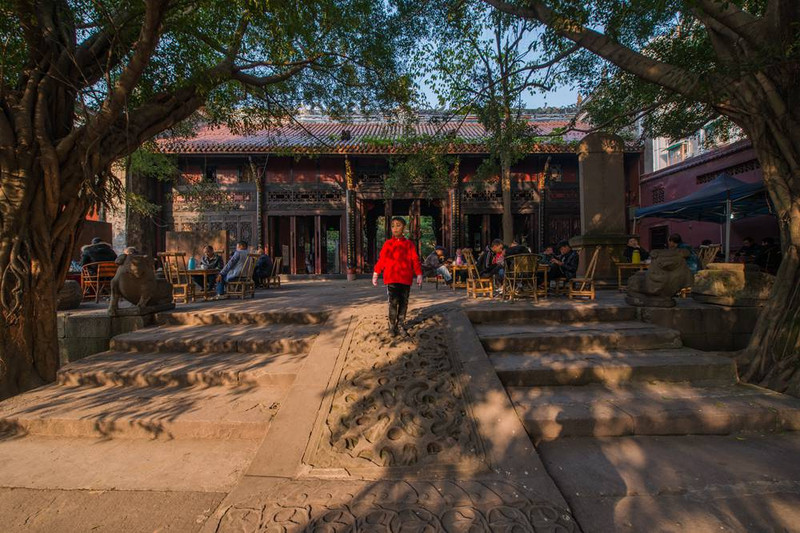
pixel 613 244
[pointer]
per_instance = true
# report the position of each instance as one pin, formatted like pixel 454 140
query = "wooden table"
pixel 546 270
pixel 454 270
pixel 628 266
pixel 205 273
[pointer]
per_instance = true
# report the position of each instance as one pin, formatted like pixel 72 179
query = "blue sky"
pixel 559 97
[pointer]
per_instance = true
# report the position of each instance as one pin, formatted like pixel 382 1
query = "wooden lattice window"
pixel 658 195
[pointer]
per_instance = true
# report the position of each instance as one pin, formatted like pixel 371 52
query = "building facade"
pixel 313 191
pixel 672 182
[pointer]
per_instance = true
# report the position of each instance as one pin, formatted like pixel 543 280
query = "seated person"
pixel 459 260
pixel 768 258
pixel 97 252
pixel 263 268
pixel 748 252
pixel 232 270
pixel 434 264
pixel 633 244
pixel 209 261
pixel 546 257
pixel 565 265
pixel 516 248
pixel 676 242
pixel 490 263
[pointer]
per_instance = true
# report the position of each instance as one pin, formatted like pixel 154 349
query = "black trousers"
pixel 398 303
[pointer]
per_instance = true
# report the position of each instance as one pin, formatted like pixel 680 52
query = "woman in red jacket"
pixel 399 263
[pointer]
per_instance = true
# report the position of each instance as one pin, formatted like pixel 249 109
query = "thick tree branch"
pixel 666 75
pixel 145 46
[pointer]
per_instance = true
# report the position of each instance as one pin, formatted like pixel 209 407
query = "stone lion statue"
pixel 668 273
pixel 136 281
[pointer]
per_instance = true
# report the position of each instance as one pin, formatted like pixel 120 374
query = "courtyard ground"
pixel 295 410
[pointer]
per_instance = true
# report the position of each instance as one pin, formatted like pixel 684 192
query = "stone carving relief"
pixel 136 282
pixel 396 507
pixel 667 274
pixel 398 403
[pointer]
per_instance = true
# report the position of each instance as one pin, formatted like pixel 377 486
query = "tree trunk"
pixel 508 218
pixel 36 243
pixel 772 358
pixel 141 228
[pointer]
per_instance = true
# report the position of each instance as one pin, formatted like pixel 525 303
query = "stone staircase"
pixel 201 375
pixel 598 372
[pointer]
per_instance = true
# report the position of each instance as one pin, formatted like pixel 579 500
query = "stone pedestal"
pixel 603 210
pixel 732 284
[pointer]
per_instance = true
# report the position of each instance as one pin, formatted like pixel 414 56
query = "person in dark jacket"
pixel 491 262
pixel 263 268
pixel 399 263
pixel 633 245
pixel 210 260
pixel 434 264
pixel 566 264
pixel 769 256
pixel 97 252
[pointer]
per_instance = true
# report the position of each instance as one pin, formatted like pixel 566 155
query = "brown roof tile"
pixel 367 137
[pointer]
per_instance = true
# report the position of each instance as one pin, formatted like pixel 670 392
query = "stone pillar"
pixel 457 240
pixel 350 220
pixel 602 200
pixel 292 244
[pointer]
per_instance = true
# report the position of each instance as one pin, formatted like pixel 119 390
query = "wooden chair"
pixel 476 285
pixel 244 284
pixel 520 279
pixel 274 279
pixel 708 254
pixel 96 279
pixel 583 287
pixel 175 271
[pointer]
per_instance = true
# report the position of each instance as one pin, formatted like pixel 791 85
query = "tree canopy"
pixel 84 83
pixel 678 64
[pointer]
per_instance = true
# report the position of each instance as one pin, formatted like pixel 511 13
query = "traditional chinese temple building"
pixel 313 192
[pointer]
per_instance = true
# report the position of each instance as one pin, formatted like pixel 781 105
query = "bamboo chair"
pixel 476 285
pixel 274 279
pixel 583 287
pixel 175 272
pixel 244 285
pixel 708 254
pixel 520 279
pixel 96 279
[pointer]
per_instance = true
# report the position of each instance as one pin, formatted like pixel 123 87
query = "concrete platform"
pixel 610 367
pixel 675 484
pixel 130 412
pixel 576 336
pixel 550 413
pixel 154 369
pixel 127 464
pixel 78 511
pixel 220 338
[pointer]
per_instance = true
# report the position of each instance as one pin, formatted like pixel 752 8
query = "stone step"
pixel 514 314
pixel 576 337
pixel 615 366
pixel 259 318
pixel 221 338
pixel 150 413
pixel 98 464
pixel 550 413
pixel 153 369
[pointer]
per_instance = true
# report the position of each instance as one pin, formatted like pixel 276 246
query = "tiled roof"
pixel 365 137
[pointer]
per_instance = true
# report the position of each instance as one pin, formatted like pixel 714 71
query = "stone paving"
pixel 296 412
